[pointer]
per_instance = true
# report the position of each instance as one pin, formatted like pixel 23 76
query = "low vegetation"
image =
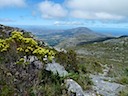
pixel 19 77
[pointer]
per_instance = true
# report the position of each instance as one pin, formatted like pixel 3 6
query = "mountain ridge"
pixel 80 32
pixel 78 35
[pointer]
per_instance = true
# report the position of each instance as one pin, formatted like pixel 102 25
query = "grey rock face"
pixel 74 87
pixel 90 93
pixel 34 61
pixel 106 88
pixel 56 68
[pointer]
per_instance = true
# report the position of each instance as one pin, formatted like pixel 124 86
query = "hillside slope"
pixel 27 67
pixel 111 52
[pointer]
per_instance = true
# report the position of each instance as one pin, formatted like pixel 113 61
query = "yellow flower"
pixel 26 50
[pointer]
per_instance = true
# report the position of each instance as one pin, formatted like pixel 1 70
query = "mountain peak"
pixel 81 29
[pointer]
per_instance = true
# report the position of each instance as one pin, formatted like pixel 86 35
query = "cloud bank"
pixel 10 3
pixel 98 9
pixel 85 9
pixel 68 23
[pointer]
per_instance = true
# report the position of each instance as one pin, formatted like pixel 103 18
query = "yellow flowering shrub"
pixel 3 45
pixel 27 46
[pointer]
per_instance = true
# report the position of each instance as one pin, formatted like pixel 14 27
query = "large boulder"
pixel 74 87
pixel 56 69
pixel 106 88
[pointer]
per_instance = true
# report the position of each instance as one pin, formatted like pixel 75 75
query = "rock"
pixel 104 87
pixel 34 61
pixel 1 26
pixel 91 93
pixel 60 49
pixel 9 74
pixel 41 42
pixel 25 59
pixel 56 68
pixel 8 32
pixel 74 87
pixel 32 58
pixel 38 64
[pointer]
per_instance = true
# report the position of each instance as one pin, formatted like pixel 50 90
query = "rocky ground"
pixel 104 85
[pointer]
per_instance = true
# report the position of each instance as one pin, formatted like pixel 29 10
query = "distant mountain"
pixel 74 36
pixel 56 36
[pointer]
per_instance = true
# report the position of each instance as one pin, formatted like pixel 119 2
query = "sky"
pixel 90 13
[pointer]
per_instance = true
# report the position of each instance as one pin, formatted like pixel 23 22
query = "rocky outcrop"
pixel 6 30
pixel 73 87
pixel 56 69
pixel 33 60
pixel 104 87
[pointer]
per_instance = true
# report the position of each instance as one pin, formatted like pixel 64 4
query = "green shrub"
pixel 51 85
pixel 82 68
pixel 68 60
pixel 6 91
pixel 123 80
pixel 124 92
pixel 82 79
pixel 126 71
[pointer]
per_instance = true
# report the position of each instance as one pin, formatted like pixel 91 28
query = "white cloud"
pixel 85 9
pixel 102 15
pixel 49 9
pixel 94 15
pixel 98 9
pixel 8 3
pixel 68 23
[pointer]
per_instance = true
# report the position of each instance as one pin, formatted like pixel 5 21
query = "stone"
pixel 60 49
pixel 56 68
pixel 32 59
pixel 74 87
pixel 91 93
pixel 38 64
